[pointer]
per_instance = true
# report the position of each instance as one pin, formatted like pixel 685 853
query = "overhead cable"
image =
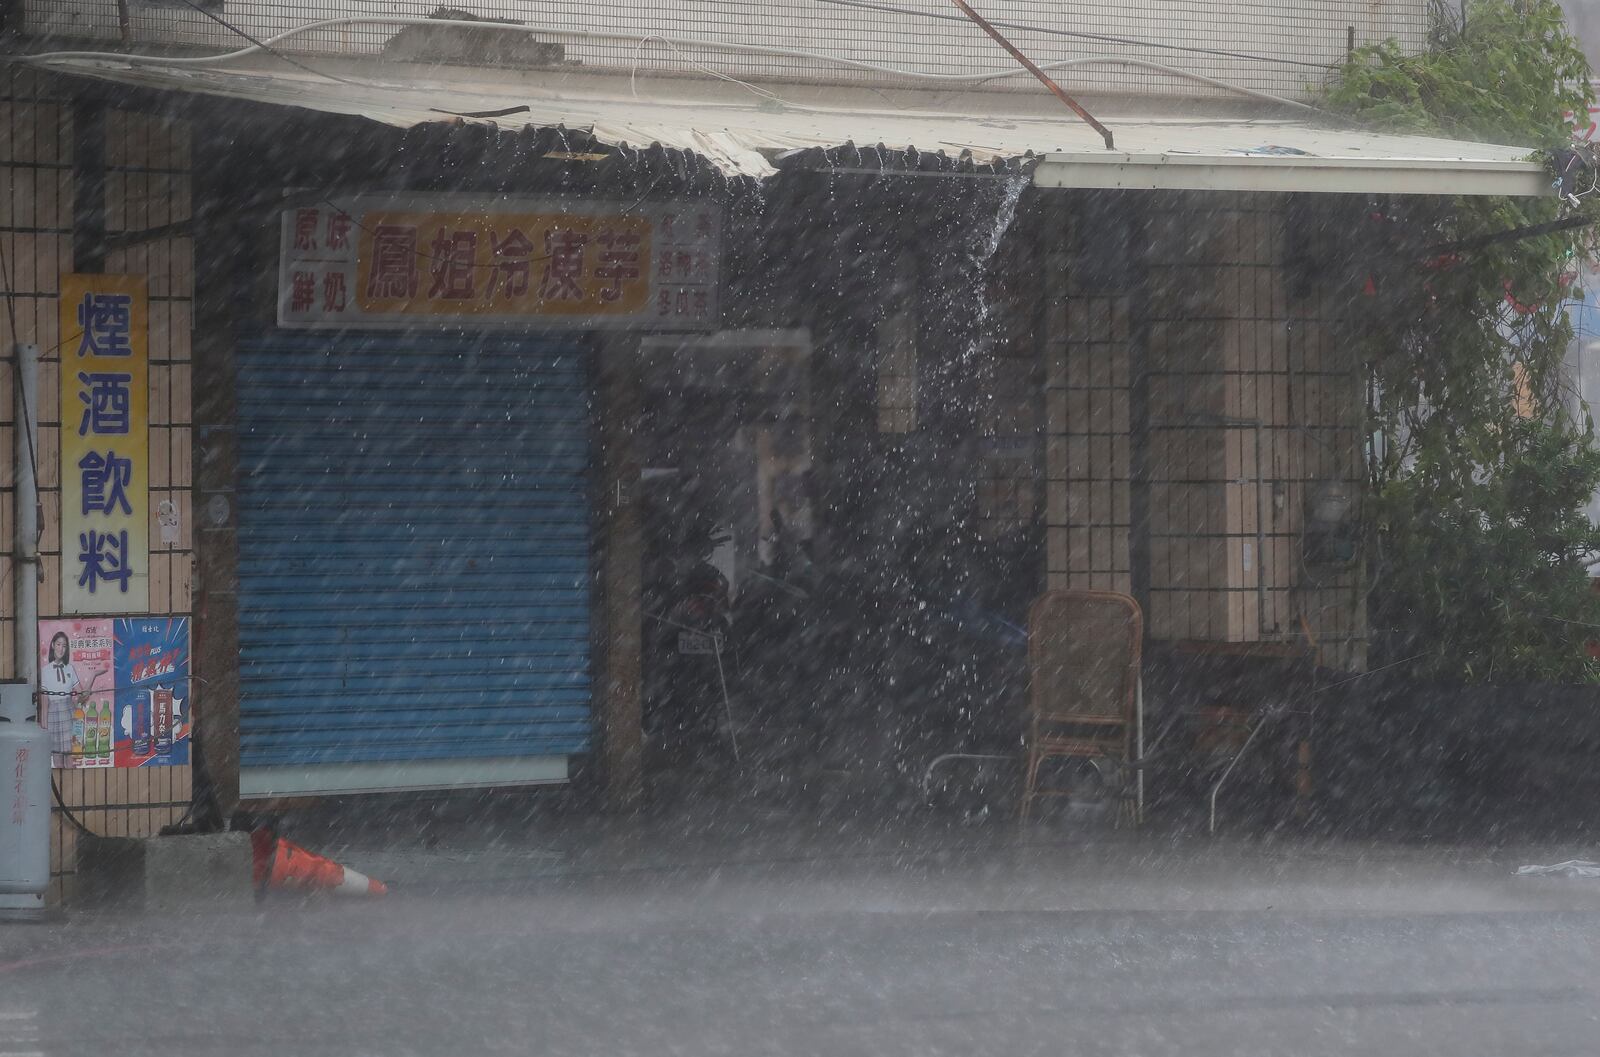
pixel 978 77
pixel 1105 38
pixel 1033 68
pixel 225 24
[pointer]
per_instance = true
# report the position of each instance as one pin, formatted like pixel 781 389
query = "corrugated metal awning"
pixel 744 129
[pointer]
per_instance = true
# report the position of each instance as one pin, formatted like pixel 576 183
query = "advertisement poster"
pixel 386 260
pixel 116 691
pixel 77 690
pixel 105 444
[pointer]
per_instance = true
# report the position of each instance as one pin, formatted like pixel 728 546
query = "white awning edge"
pixel 1406 176
pixel 1159 147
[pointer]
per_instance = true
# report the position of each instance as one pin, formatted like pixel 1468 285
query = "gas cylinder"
pixel 24 805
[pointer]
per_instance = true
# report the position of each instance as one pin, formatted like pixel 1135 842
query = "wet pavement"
pixel 1013 942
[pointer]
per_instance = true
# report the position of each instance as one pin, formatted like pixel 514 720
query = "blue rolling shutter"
pixel 413 549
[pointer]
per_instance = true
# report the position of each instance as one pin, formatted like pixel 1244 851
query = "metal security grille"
pixel 1251 405
pixel 1283 47
pixel 1089 322
pixel 413 551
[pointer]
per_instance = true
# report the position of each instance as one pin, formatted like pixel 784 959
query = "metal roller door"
pixel 413 562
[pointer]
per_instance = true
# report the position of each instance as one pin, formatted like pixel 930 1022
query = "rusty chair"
pixel 1083 651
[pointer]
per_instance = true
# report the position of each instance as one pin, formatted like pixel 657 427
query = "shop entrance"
pixel 728 531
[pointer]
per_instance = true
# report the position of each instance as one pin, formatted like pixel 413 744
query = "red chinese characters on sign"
pixel 619 261
pixel 339 230
pixel 303 291
pixel 563 266
pixel 144 666
pixel 394 262
pixel 333 292
pixel 383 259
pixel 681 265
pixel 305 228
pixel 453 265
pixel 512 253
pixel 681 303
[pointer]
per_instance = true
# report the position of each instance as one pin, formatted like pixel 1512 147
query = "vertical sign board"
pixel 105 445
pixel 115 690
pixel 402 261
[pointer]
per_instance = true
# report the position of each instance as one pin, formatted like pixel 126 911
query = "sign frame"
pixel 104 388
pixel 376 261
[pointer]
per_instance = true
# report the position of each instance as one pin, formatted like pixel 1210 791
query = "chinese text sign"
pixel 115 691
pixel 105 442
pixel 397 261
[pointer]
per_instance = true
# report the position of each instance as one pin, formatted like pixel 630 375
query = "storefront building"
pixel 421 353
pixel 415 474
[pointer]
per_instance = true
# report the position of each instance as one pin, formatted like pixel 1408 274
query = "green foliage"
pixel 1506 77
pixel 1480 467
pixel 1484 571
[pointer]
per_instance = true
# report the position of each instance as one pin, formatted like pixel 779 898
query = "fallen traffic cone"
pixel 282 864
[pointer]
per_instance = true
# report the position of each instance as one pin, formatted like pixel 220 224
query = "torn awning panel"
pixel 742 129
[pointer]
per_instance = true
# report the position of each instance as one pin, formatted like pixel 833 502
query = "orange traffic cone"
pixel 282 864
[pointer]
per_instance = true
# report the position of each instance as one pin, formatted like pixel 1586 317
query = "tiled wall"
pixel 147 186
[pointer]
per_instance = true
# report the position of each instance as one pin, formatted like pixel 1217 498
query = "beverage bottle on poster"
pixel 105 728
pixel 141 723
pixel 77 729
pixel 161 717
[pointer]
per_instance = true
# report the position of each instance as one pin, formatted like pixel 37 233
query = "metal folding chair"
pixel 1084 649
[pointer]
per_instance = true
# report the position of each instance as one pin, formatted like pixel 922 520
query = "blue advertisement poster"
pixel 154 720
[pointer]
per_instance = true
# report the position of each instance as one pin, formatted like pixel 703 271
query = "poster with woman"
pixel 114 691
pixel 76 684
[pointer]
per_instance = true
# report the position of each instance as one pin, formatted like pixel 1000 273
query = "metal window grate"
pixel 1087 408
pixel 1229 347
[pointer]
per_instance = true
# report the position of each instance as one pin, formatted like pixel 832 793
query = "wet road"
pixel 1203 960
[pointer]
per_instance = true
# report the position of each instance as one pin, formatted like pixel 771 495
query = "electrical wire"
pixel 633 71
pixel 979 77
pixel 1105 38
pixel 1187 75
pixel 225 24
pixel 22 396
pixel 16 367
pixel 66 811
